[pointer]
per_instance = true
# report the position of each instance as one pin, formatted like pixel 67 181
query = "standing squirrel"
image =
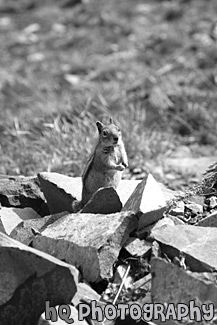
pixel 104 168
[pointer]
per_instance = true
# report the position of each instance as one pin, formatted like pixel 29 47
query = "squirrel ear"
pixel 99 126
pixel 111 120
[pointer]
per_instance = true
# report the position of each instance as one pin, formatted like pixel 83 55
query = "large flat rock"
pixel 91 242
pixel 29 278
pixel 197 243
pixel 25 230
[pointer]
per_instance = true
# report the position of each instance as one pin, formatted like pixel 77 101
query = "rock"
pixel 21 192
pixel 63 191
pixel 29 278
pixel 126 188
pixel 91 242
pixel 209 221
pixel 138 247
pixel 155 249
pixel 145 232
pixel 213 202
pixel 11 217
pixel 60 191
pixel 168 193
pixel 24 231
pixel 196 199
pixel 122 272
pixel 2 228
pixel 198 244
pixel 144 282
pixel 176 220
pixel 85 294
pixel 103 201
pixel 194 208
pixel 173 285
pixel 178 209
pixel 147 202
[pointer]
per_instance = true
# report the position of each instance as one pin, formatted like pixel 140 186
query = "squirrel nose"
pixel 116 139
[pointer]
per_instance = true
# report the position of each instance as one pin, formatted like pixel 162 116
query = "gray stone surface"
pixel 21 192
pixel 172 284
pixel 147 201
pixel 91 242
pixel 197 243
pixel 60 191
pixel 209 221
pixel 28 279
pixel 138 247
pixel 103 201
pixel 11 217
pixel 24 231
pixel 178 209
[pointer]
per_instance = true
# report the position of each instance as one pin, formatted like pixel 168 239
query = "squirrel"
pixel 104 167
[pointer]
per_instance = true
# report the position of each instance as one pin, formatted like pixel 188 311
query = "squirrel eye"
pixel 104 133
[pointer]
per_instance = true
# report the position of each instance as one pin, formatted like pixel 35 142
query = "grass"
pixel 149 64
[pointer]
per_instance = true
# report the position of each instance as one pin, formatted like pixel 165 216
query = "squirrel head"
pixel 109 134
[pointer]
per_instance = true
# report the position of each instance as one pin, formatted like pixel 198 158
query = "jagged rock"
pixel 144 233
pixel 178 209
pixel 176 220
pixel 24 232
pixel 174 285
pixel 209 221
pixel 104 201
pixel 147 202
pixel 85 294
pixel 213 202
pixel 126 188
pixel 63 193
pixel 194 208
pixel 198 244
pixel 60 191
pixel 21 192
pixel 121 272
pixel 91 242
pixel 11 217
pixel 196 199
pixel 138 247
pixel 29 278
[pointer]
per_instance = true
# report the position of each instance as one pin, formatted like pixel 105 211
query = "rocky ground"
pixel 140 245
pixel 152 66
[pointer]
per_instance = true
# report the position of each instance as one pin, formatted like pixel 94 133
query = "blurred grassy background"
pixel 65 64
